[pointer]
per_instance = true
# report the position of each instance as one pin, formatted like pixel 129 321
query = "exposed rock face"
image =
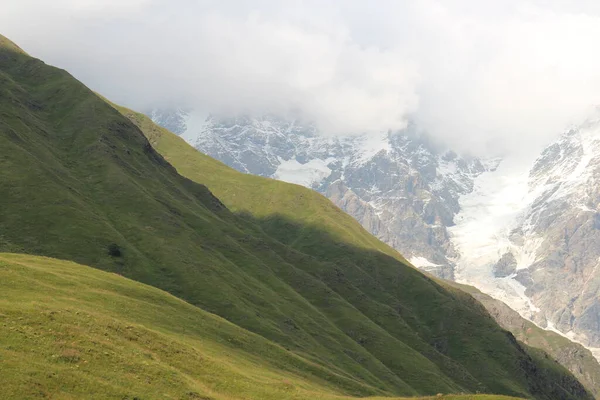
pixel 397 185
pixel 506 266
pixel 565 276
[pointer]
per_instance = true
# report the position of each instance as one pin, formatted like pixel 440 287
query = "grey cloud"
pixel 479 77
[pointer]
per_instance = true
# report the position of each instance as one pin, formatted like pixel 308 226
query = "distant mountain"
pixel 87 181
pixel 544 254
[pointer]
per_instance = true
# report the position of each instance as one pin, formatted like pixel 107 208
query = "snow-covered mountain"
pixel 535 240
pixel 527 235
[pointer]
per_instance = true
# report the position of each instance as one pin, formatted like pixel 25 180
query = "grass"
pixel 81 182
pixel 70 331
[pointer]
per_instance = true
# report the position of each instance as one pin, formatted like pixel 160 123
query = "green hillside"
pixel 81 182
pixel 70 331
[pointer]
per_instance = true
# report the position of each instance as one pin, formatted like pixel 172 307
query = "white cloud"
pixel 226 56
pixel 479 76
pixel 515 81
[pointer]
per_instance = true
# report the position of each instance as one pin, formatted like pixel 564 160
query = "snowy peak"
pixel 566 168
pixel 174 120
pixel 260 145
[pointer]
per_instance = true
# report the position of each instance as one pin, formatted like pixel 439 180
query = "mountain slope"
pixel 72 331
pixel 81 182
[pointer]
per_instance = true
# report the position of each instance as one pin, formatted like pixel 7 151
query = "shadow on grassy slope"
pixel 415 309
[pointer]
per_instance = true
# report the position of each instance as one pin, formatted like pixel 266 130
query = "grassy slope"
pixel 70 331
pixel 80 182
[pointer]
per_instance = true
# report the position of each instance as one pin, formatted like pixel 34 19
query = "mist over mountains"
pixel 487 80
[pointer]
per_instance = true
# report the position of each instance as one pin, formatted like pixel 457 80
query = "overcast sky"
pixel 478 76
